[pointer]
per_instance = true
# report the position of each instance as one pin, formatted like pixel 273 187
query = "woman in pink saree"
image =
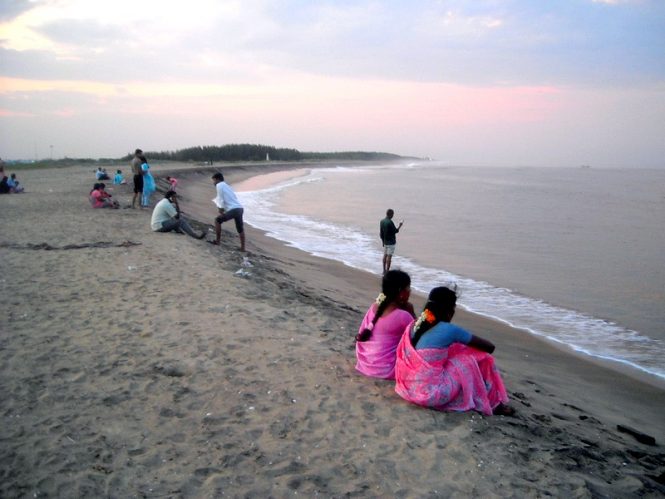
pixel 383 325
pixel 442 366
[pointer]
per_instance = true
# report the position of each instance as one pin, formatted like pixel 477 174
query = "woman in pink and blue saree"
pixel 442 366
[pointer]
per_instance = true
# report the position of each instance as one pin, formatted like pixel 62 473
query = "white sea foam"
pixel 585 334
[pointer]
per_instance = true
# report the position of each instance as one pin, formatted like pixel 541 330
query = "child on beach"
pixel 108 196
pixel 101 199
pixel 173 182
pixel 118 178
pixel 383 325
pixel 442 366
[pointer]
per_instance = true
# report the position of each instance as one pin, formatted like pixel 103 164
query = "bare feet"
pixel 504 410
pixel 216 243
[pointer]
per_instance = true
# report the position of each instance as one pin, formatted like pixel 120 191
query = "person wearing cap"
pixel 166 217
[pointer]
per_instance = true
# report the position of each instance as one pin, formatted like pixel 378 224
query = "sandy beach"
pixel 142 364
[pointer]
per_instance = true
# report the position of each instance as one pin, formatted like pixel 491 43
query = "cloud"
pixel 455 41
pixel 10 9
pixel 86 35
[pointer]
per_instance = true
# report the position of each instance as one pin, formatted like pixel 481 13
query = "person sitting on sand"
pixel 118 178
pixel 383 325
pixel 166 217
pixel 107 195
pixel 4 186
pixel 229 209
pixel 442 366
pixel 98 199
pixel 14 185
pixel 101 174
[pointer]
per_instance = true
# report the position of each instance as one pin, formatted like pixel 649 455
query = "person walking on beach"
pixel 166 217
pixel 229 209
pixel 138 176
pixel 388 231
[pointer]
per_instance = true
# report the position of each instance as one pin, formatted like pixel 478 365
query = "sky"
pixel 477 82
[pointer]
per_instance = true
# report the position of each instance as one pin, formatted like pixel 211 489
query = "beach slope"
pixel 136 363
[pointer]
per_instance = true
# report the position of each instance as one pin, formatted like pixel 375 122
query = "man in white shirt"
pixel 166 217
pixel 229 209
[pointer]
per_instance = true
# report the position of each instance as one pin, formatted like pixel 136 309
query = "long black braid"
pixel 394 281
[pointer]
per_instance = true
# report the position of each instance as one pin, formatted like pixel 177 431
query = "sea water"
pixel 576 255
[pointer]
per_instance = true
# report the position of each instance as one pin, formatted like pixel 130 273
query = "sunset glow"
pixel 436 79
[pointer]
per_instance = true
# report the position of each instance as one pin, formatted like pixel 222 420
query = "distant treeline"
pixel 257 152
pixel 209 154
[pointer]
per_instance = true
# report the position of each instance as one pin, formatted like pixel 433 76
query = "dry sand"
pixel 141 364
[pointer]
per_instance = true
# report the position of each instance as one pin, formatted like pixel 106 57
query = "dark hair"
pixel 390 212
pixel 218 176
pixel 138 151
pixel 394 281
pixel 94 188
pixel 102 185
pixel 169 194
pixel 143 159
pixel 441 303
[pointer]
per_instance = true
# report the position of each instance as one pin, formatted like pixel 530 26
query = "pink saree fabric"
pixel 376 356
pixel 457 378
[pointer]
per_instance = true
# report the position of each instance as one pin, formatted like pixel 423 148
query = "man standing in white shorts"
pixel 388 232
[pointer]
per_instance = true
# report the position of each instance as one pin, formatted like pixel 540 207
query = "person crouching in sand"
pixel 442 366
pixel 383 325
pixel 166 217
pixel 229 209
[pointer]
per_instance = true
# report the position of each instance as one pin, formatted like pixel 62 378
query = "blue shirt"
pixel 442 335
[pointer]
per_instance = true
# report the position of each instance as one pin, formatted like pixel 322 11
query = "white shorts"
pixel 389 249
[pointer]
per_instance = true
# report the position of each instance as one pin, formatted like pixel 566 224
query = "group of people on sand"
pixel 167 217
pixel 9 185
pixel 144 182
pixel 101 174
pixel 434 363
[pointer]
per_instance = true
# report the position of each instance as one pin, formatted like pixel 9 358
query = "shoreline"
pixel 248 172
pixel 150 365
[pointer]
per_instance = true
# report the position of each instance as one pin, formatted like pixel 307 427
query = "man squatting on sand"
pixel 229 209
pixel 388 232
pixel 166 217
